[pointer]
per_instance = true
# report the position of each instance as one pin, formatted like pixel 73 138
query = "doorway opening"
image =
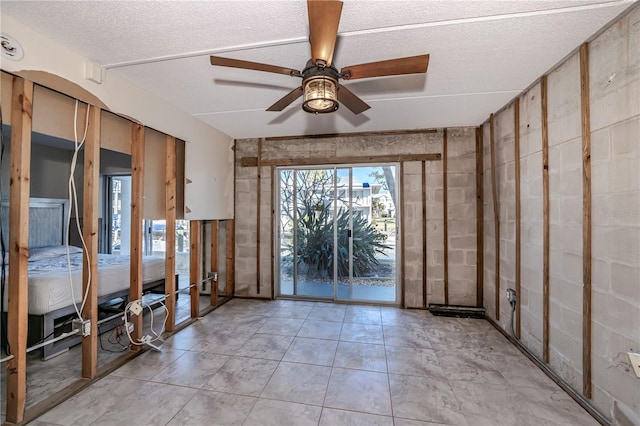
pixel 337 233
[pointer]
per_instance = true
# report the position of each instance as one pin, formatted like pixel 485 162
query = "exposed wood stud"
pixel 496 214
pixel 323 161
pixel 258 194
pixel 249 162
pixel 19 192
pixel 445 216
pixel 231 279
pixel 424 234
pixel 402 244
pixel 273 231
pixel 194 267
pixel 170 170
pixel 545 217
pixel 90 235
pixel 586 220
pixel 137 202
pixel 215 263
pixel 480 218
pixel 516 132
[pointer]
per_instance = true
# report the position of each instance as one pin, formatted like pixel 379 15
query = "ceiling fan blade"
pixel 324 18
pixel 236 63
pixel 286 100
pixel 409 65
pixel 351 101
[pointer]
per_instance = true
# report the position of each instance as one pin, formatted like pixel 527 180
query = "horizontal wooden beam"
pixel 352 135
pixel 253 161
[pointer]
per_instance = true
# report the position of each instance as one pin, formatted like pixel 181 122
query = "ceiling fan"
pixel 320 86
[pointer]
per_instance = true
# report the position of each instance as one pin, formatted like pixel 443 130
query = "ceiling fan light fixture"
pixel 320 94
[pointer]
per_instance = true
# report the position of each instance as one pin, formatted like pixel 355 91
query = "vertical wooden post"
pixel 19 192
pixel 479 218
pixel 215 267
pixel 259 190
pixel 194 267
pixel 496 213
pixel 586 219
pixel 424 234
pixel 445 215
pixel 137 200
pixel 90 234
pixel 231 249
pixel 170 168
pixel 545 216
pixel 402 268
pixel 516 132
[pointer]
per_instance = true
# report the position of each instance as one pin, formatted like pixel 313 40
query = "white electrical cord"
pixel 145 339
pixel 73 205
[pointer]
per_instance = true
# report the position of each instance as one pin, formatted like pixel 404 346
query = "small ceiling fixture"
pixel 320 95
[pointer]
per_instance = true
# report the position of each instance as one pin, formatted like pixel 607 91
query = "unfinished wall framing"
pixel 105 130
pixel 579 235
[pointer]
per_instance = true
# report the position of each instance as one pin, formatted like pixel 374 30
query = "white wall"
pixel 214 196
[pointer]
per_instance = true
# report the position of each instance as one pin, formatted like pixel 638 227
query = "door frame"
pixel 277 258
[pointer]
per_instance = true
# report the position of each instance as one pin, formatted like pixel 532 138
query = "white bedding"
pixel 49 287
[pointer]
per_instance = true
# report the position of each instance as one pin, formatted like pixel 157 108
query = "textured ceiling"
pixel 483 53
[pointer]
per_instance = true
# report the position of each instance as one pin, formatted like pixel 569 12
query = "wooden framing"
pixel 273 237
pixel 355 134
pixel 195 233
pixel 479 219
pixel 231 238
pixel 170 236
pixel 545 215
pixel 403 301
pixel 90 235
pixel 424 234
pixel 215 264
pixel 19 190
pixel 516 133
pixel 496 214
pixel 586 219
pixel 137 201
pixel 445 216
pixel 284 162
pixel 258 191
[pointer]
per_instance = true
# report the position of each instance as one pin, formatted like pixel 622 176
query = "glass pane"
pixel 285 232
pixel 373 272
pixel 121 215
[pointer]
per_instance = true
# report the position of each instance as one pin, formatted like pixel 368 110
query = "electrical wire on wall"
pixel 73 206
pixel 3 252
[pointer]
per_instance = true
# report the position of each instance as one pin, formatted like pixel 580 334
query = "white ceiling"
pixel 483 53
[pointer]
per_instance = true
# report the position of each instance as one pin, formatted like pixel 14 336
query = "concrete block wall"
pixel 461 191
pixel 488 244
pixel 614 86
pixel 461 215
pixel 565 219
pixel 506 186
pixel 435 225
pixel 413 234
pixel 531 223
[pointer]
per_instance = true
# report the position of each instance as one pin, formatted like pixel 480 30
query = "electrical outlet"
pixel 83 326
pixel 135 308
pixel 634 358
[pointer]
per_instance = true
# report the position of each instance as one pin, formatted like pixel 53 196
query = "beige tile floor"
pixel 297 363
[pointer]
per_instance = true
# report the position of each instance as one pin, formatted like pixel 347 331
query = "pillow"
pixel 41 253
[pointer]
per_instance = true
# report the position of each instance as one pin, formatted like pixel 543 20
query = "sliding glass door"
pixel 337 234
